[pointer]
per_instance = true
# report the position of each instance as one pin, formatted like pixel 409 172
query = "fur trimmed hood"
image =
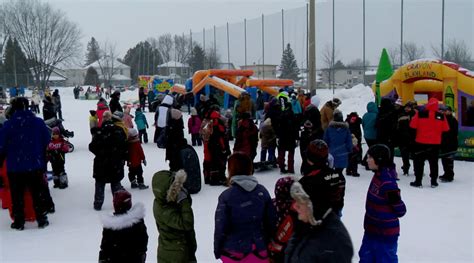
pixel 338 124
pixel 176 186
pixel 122 221
pixel 300 196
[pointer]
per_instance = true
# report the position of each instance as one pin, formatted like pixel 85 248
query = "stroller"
pixel 54 122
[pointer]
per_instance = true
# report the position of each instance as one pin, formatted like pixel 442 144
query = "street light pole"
pixel 312 48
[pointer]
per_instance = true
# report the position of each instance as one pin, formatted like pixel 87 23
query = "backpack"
pixel 207 127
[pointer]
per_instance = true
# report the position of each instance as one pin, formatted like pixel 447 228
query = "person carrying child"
pixel 56 152
pixel 142 125
pixel 135 158
pixel 124 237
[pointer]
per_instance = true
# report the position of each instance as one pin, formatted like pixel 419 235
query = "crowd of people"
pixel 301 224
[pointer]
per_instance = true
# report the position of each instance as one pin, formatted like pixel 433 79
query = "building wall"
pixel 344 77
pixel 74 77
pixel 262 71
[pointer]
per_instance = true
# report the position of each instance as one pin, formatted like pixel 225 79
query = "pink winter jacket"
pixel 127 119
pixel 194 124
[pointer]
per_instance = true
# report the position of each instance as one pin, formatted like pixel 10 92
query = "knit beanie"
pixel 381 155
pixel 337 116
pixel 56 131
pixel 317 152
pixel 117 115
pixel 122 201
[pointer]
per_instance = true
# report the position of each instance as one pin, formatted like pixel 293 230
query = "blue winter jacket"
pixel 339 140
pixel 245 216
pixel 140 120
pixel 296 106
pixel 23 141
pixel 369 120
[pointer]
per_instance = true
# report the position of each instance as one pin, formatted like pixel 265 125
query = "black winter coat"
pixel 110 148
pixel 287 129
pixel 329 243
pixel 355 123
pixel 49 110
pixel 124 237
pixel 386 123
pixel 114 104
pixel 405 135
pixel 449 139
pixel 313 115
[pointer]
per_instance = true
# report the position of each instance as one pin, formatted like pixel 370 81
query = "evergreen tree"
pixel 93 51
pixel 92 78
pixel 15 65
pixel 197 59
pixel 142 59
pixel 289 68
pixel 339 65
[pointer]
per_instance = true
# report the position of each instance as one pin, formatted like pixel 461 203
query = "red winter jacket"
pixel 429 124
pixel 135 153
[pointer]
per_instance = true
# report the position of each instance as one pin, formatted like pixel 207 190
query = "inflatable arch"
pixel 446 81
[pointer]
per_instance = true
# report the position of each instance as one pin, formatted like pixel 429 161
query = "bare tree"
pixel 182 48
pixel 108 62
pixel 212 58
pixel 412 52
pixel 456 51
pixel 45 35
pixel 328 60
pixel 394 54
pixel 165 46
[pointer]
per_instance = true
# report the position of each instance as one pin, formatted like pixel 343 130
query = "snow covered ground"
pixel 438 226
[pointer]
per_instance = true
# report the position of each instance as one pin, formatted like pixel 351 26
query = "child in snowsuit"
pixel 57 150
pixel 124 237
pixel 354 158
pixel 268 142
pixel 246 137
pixel 93 122
pixel 142 125
pixel 194 124
pixel 135 158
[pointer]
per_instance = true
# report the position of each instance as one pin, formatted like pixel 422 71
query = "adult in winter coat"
pixel 246 139
pixel 405 136
pixel 308 134
pixel 369 126
pixel 124 236
pixel 319 234
pixel 339 139
pixel 245 216
pixel 429 125
pixel 57 103
pixel 383 207
pixel 23 142
pixel 114 103
pixel 142 125
pixel 174 218
pixel 142 98
pixel 49 110
pixel 287 129
pixel 327 112
pixel 161 115
pixel 449 146
pixel 176 140
pixel 312 114
pixel 387 124
pixel 216 151
pixel 110 148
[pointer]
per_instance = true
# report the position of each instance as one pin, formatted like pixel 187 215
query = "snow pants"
pixel 378 250
pixel 135 173
pixel 424 152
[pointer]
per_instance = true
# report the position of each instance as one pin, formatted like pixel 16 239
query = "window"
pixel 121 72
pixel 349 72
pixel 172 70
pixel 185 71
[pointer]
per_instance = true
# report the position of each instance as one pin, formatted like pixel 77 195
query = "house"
pixel 178 71
pixel 225 65
pixel 120 77
pixel 57 78
pixel 266 71
pixel 343 77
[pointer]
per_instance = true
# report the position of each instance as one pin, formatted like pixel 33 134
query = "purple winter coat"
pixel 194 124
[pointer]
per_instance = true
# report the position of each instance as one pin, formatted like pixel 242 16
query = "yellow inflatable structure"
pixel 446 81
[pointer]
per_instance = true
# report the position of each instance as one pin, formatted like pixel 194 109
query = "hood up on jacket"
pixel 122 221
pixel 432 105
pixel 168 100
pixel 247 182
pixel 372 107
pixel 315 100
pixel 167 186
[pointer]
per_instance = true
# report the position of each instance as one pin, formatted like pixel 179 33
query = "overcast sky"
pixel 126 22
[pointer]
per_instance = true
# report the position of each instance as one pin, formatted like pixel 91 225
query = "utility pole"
pixel 228 47
pixel 333 44
pixel 282 31
pixel 263 47
pixel 401 34
pixel 442 31
pixel 245 41
pixel 312 48
pixel 363 40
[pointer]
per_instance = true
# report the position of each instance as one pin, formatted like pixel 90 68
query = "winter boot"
pixel 405 170
pixel 18 225
pixel 142 186
pixel 434 183
pixel 416 184
pixel 63 181
pixel 134 184
pixel 43 222
pixel 56 181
